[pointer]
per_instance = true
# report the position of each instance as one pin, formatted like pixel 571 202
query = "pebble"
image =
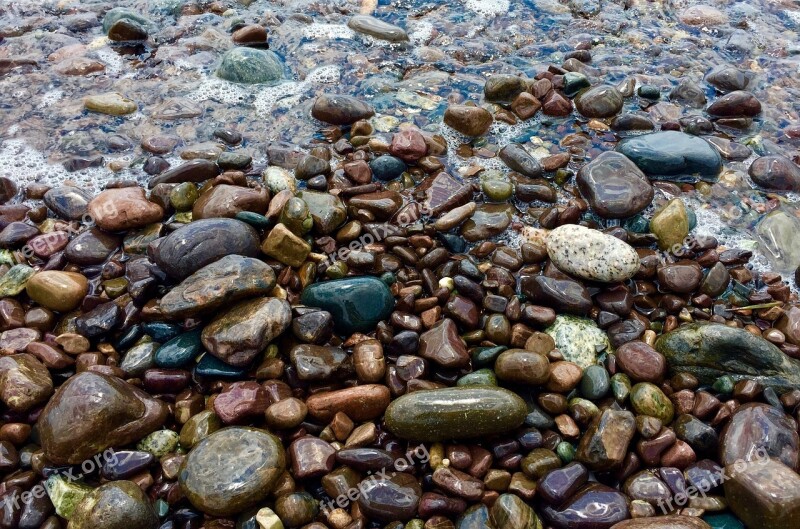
pixel 24 382
pixel 591 254
pixel 468 120
pixel 340 109
pixel 775 172
pixel 599 102
pixel 357 304
pixel 377 28
pixel 605 443
pixel 113 104
pixel 614 186
pixel 123 209
pixel 578 339
pixel 672 155
pixel 250 66
pixel 57 290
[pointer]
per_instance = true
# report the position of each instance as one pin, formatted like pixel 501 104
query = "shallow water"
pixel 453 47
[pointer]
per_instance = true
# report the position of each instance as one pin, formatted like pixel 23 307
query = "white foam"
pixel 318 30
pixel 50 97
pixel 219 90
pixel 328 74
pixel 421 32
pixel 284 95
pixel 489 8
pixel 114 63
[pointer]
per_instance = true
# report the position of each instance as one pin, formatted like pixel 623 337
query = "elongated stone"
pixel 198 170
pixel 455 413
pixel 591 254
pixel 764 494
pixel 356 304
pixel 674 521
pixel 13 282
pixel 673 155
pixel 377 28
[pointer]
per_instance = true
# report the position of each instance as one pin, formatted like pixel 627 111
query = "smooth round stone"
pixel 775 171
pixel 57 290
pixel 455 413
pixel 559 484
pixel 487 221
pixel 756 429
pixel 122 13
pixel 250 66
pixel 126 464
pixel 179 351
pixel 468 120
pixel 212 367
pixel 232 470
pixel 595 382
pixel 356 304
pixel 340 109
pixel 594 506
pixel 112 103
pixel 672 155
pixel 191 247
pixel 574 82
pixel 125 30
pixel 777 233
pixel 578 339
pixel 377 28
pixel 159 443
pixel 670 224
pixel 225 200
pixel 648 399
pixel 688 93
pixel 591 254
pixel 297 508
pixel 227 280
pixel 394 498
pixel 710 351
pixel 503 88
pixel 24 382
pixel 522 367
pixel 496 186
pixel 115 505
pixel 387 167
pixel 739 103
pixel 91 247
pixel 193 171
pixel 91 412
pixel 480 377
pixel 614 186
pixel 599 102
pixel 139 359
pixel 641 362
pixel 701 437
pixel 475 517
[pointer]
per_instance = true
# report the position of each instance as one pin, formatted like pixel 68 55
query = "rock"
pixel 126 30
pixel 191 247
pixel 327 211
pixel 688 93
pixel 226 201
pixel 98 321
pixel 385 500
pixel 605 443
pixel 70 203
pixel 320 363
pixel 672 155
pixel 583 506
pixel 442 345
pixel 641 362
pixel 16 234
pixel 468 120
pixel 450 413
pixel 121 13
pixel 559 484
pixel 377 28
pixel 735 104
pixel 114 505
pixel 764 495
pixel 517 159
pixel 123 209
pixel 648 399
pixel 179 351
pixel 701 437
pixel 503 88
pixel 297 508
pixel 599 102
pixel 408 145
pixel 522 367
pixel 112 103
pixel 509 511
pixel 238 335
pixel 91 247
pixel 386 168
pixel 139 359
pixel 682 277
pixel 65 494
pixel 775 172
pixel 673 521
pixel 729 79
pixel 250 66
pixel 8 189
pixel 716 280
pixel 91 412
pixel 230 279
pixel 357 304
pixel 340 109
pixel 556 105
pixel 564 295
pixel 578 339
pixel 359 403
pixel 193 171
pixel 487 221
pixel 670 224
pixel 595 382
pixel 56 290
pixel 709 351
pixel 777 235
pixel 756 431
pixel 286 247
pixel 381 204
pixel 14 281
pixel 614 186
pixel 591 254
pixel 232 470
pixel 789 324
pixel 702 15
pixel 24 382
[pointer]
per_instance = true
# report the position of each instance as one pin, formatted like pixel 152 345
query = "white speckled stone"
pixel 578 339
pixel 591 254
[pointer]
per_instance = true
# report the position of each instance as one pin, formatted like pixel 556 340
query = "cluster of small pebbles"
pixel 357 335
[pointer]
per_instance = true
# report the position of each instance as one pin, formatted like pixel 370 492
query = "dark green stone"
pixel 234 160
pixel 387 167
pixel 637 224
pixel 574 82
pixel 179 351
pixel 480 377
pixel 120 13
pixel 254 219
pixel 595 382
pixel 709 351
pixel 212 367
pixel 357 304
pixel 485 356
pixel 673 155
pixel 129 338
pixel 649 92
pixel 250 66
pixel 161 332
pixel 455 413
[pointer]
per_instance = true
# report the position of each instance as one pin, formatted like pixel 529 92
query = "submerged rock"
pixel 340 109
pixel 250 66
pixel 778 234
pixel 614 186
pixel 377 28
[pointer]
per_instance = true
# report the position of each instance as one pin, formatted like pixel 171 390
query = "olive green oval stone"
pixel 198 427
pixel 357 304
pixel 114 505
pixel 13 282
pixel 232 470
pixel 648 399
pixel 480 377
pixel 455 413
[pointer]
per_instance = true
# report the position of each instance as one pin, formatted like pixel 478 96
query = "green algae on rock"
pixel 250 66
pixel 578 339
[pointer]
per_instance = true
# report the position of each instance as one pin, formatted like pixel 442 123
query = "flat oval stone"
pixel 115 505
pixel 564 295
pixel 57 290
pixel 14 281
pixel 232 470
pixel 360 403
pixel 775 171
pixel 455 413
pixel 68 202
pixel 357 304
pixel 591 254
pixel 191 247
pixel 594 506
pixel 648 399
pixel 250 66
pixel 614 186
pixel 112 103
pixel 394 498
pixel 756 429
pixel 124 208
pixel 672 155
pixel 196 171
pixel 340 109
pixel 91 247
pixel 230 279
pixel 91 412
pixel 674 521
pixel 377 28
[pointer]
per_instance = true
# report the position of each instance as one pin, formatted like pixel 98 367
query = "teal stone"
pixel 212 367
pixel 595 382
pixel 724 385
pixel 388 278
pixel 179 351
pixel 250 66
pixel 723 521
pixel 476 517
pixel 692 218
pixel 648 91
pixel 481 377
pixel 129 338
pixel 485 356
pixel 574 82
pixel 387 167
pixel 357 304
pixel 161 507
pixel 119 13
pixel 673 155
pixel 259 222
pixel 637 224
pixel 161 332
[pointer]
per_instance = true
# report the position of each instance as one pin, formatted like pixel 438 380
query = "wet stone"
pixel 24 382
pixel 672 155
pixel 468 120
pixel 614 186
pixel 584 505
pixel 605 443
pixel 340 109
pixel 443 345
pixel 518 159
pixel 563 295
pixel 560 484
pixel 115 505
pixel 56 290
pixel 250 66
pixel 756 429
pixel 226 201
pixel 68 202
pixel 395 498
pixel 578 339
pixel 112 103
pixel 775 172
pixel 765 494
pixel 591 254
pixel 377 28
pixel 357 304
pixel 599 102
pixel 511 512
